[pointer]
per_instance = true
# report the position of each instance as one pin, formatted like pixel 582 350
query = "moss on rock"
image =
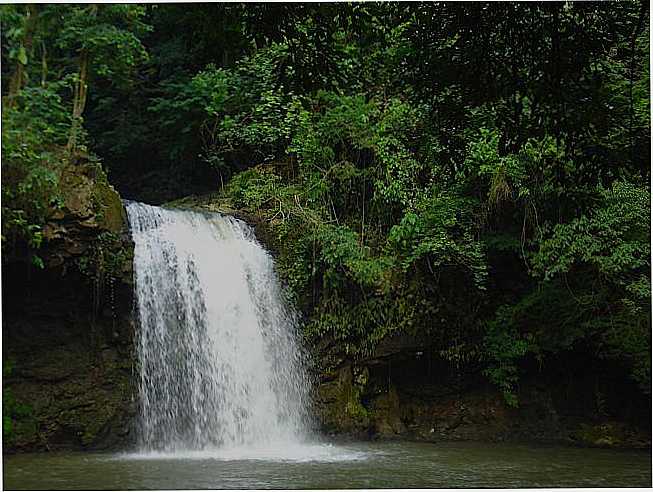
pixel 87 196
pixel 340 406
pixel 111 212
pixel 605 434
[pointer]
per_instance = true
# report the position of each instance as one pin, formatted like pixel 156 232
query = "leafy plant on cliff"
pixel 594 290
pixel 33 131
pixel 611 247
pixel 354 269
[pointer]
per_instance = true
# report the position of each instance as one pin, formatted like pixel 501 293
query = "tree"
pixel 106 41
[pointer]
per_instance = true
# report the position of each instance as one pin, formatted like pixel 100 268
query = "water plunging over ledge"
pixel 220 368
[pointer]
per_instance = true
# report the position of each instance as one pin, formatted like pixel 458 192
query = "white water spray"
pixel 219 364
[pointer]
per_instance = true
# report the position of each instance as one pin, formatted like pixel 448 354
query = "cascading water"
pixel 219 364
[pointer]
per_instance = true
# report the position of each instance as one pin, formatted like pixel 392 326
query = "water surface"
pixel 324 466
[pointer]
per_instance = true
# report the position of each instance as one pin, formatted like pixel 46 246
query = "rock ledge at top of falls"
pixel 212 202
pixel 215 202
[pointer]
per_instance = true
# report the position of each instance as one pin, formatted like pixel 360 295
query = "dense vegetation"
pixel 474 173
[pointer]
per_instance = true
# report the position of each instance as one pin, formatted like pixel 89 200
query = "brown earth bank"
pixel 69 379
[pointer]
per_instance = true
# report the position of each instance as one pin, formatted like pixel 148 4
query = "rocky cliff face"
pixel 67 328
pixel 406 390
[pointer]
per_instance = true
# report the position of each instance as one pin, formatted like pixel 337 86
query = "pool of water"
pixel 323 466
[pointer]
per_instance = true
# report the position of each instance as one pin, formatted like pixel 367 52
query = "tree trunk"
pixel 15 84
pixel 44 64
pixel 79 100
pixel 18 77
pixel 80 91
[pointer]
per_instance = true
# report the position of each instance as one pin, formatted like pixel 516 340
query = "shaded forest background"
pixel 477 173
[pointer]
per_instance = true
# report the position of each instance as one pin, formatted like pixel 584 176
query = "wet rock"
pixel 386 415
pixel 610 434
pixel 339 404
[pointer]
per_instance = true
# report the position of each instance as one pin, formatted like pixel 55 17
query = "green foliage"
pixel 253 188
pixel 32 133
pixel 256 112
pixel 340 120
pixel 384 209
pixel 595 274
pixel 245 109
pixel 614 238
pixel 611 244
pixel 109 33
pixel 43 105
pixel 41 115
pixel 529 176
pixel 356 279
pixel 442 229
pixel 506 347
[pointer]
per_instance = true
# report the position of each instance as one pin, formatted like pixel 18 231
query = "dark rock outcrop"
pixel 68 328
pixel 405 390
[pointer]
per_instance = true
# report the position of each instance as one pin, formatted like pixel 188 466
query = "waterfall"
pixel 218 361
